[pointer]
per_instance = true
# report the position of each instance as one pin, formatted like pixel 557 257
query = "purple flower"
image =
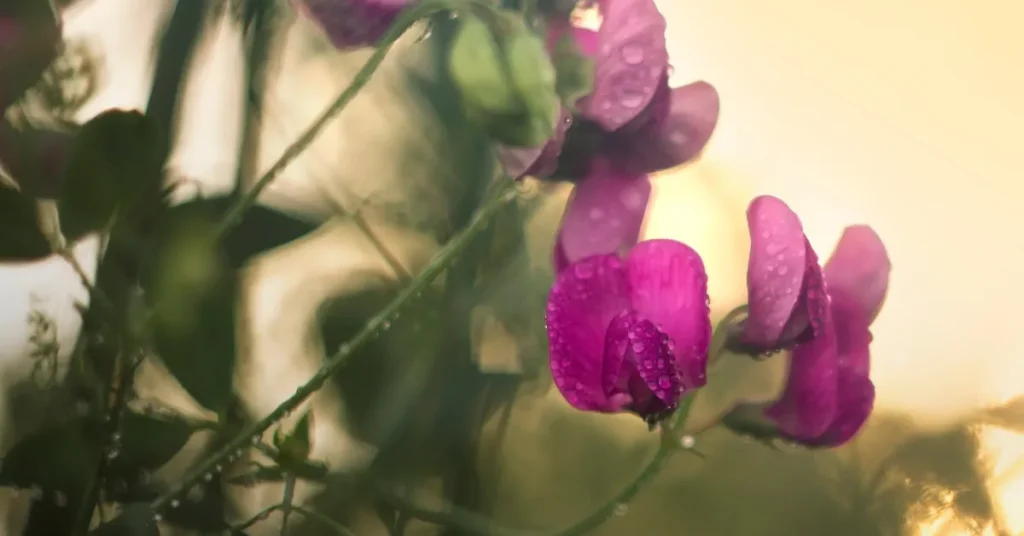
pixel 631 118
pixel 30 35
pixel 824 315
pixel 630 334
pixel 353 23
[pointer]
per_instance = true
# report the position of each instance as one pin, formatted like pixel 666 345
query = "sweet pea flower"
pixel 824 315
pixel 352 23
pixel 632 124
pixel 630 334
pixel 631 118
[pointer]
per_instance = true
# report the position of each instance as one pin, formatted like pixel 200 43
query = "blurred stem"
pixel 176 48
pixel 477 525
pixel 260 30
pixel 404 22
pixel 452 250
pixel 720 338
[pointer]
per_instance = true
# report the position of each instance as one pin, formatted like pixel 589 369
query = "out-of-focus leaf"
pixel 64 456
pixel 35 158
pixel 193 293
pixel 147 443
pixel 136 519
pixel 1009 416
pixel 574 71
pixel 115 160
pixel 60 457
pixel 20 235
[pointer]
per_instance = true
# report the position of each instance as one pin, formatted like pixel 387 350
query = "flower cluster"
pixel 628 323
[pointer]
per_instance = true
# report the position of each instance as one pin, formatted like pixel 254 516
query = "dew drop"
pixel 175 503
pixel 687 441
pixel 632 54
pixel 621 509
pixel 208 477
pixel 60 499
pixel 157 518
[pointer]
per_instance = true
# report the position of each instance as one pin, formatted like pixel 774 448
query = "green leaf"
pixel 575 72
pixel 293 449
pixel 136 519
pixel 193 293
pixel 115 159
pixel 64 456
pixel 19 226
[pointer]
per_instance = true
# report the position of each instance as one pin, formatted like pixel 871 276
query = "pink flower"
pixel 632 334
pixel 823 315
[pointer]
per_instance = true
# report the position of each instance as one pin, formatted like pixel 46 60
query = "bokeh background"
pixel 903 115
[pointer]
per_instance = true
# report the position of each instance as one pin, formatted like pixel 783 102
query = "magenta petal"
pixel 853 336
pixel 808 404
pixel 812 305
pixel 775 272
pixel 631 59
pixel 652 353
pixel 604 214
pixel 673 130
pixel 668 285
pixel 856 400
pixel 353 23
pixel 584 300
pixel 859 269
pixel 586 40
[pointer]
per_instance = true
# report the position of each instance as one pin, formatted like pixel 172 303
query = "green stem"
pixel 444 257
pixel 405 21
pixel 475 524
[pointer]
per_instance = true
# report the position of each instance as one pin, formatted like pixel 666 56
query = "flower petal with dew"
pixel 631 58
pixel 604 215
pixel 786 294
pixel 30 35
pixel 353 23
pixel 630 335
pixel 830 374
pixel 671 131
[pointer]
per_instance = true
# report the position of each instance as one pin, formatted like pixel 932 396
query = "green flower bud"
pixel 506 80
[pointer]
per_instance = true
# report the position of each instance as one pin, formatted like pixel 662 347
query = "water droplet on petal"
pixel 632 54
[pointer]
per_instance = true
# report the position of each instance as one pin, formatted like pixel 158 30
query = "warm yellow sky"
pixel 905 115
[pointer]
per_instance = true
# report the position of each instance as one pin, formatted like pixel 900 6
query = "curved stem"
pixel 441 261
pixel 475 524
pixel 417 12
